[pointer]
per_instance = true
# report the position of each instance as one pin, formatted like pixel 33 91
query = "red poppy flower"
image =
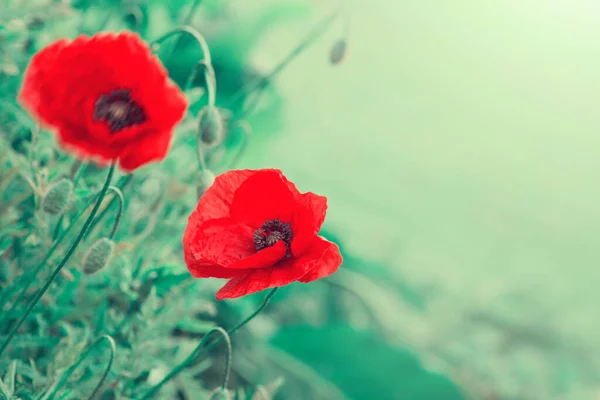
pixel 106 96
pixel 255 228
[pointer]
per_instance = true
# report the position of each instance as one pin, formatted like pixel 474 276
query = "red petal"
pixel 261 279
pixel 307 220
pixel 216 201
pixel 264 258
pixel 220 242
pixel 200 269
pixel 266 195
pixel 322 259
pixel 153 146
pixel 326 259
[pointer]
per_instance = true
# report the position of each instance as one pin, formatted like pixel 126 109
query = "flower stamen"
pixel 118 110
pixel 271 232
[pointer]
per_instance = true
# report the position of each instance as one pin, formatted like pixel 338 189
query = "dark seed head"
pixel 272 232
pixel 118 110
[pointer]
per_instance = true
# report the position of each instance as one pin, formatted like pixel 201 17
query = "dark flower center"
pixel 118 110
pixel 272 232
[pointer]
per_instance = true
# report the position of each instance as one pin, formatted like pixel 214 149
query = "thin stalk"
pixel 42 264
pixel 209 73
pixel 201 349
pixel 196 352
pixel 261 83
pixel 124 181
pixel 84 355
pixel 60 266
pixel 119 196
pixel 187 21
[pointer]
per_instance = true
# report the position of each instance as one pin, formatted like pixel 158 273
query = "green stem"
pixel 196 352
pixel 124 181
pixel 60 266
pixel 199 350
pixel 83 356
pixel 188 21
pixel 42 264
pixel 119 196
pixel 209 73
pixel 261 83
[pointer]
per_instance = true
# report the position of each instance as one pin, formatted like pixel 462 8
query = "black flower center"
pixel 272 232
pixel 118 110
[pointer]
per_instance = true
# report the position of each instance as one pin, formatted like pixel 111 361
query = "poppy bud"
pixel 220 394
pixel 58 197
pixel 98 256
pixel 337 52
pixel 210 126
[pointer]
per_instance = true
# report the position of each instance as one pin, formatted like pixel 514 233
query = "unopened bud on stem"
pixel 98 256
pixel 210 126
pixel 58 197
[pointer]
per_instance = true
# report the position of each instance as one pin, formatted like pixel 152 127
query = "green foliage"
pixel 363 365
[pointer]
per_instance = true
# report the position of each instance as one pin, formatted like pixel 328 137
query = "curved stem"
pixel 188 21
pixel 254 314
pixel 123 181
pixel 227 361
pixel 211 84
pixel 60 266
pixel 196 352
pixel 209 77
pixel 199 350
pixel 138 16
pixel 69 372
pixel 119 196
pixel 42 264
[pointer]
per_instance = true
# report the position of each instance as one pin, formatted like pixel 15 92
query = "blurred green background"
pixel 458 146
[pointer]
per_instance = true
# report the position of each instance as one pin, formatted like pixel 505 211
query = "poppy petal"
pixel 263 259
pixel 201 269
pixel 219 242
pixel 216 201
pixel 322 259
pixel 326 259
pixel 153 147
pixel 307 220
pixel 265 196
pixel 261 279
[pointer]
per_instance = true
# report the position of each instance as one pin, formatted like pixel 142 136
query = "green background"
pixel 458 147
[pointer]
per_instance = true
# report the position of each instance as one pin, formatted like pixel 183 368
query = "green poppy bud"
pixel 220 394
pixel 337 52
pixel 211 126
pixel 58 197
pixel 98 256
